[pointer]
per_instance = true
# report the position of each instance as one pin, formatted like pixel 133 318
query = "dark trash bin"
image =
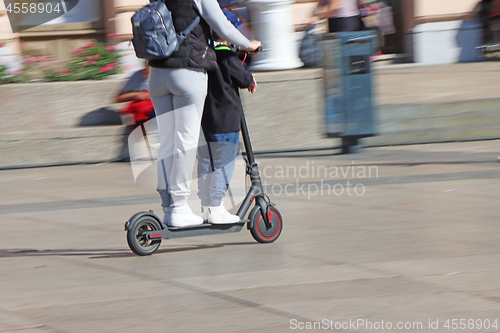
pixel 348 86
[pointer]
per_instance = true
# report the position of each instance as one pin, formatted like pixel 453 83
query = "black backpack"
pixel 154 32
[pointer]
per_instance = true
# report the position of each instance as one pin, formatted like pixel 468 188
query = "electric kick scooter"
pixel 145 230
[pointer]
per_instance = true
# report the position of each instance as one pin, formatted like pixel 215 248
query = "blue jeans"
pixel 215 166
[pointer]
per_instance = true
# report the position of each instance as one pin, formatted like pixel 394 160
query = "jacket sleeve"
pixel 238 73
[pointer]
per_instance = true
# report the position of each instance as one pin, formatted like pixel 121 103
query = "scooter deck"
pixel 196 230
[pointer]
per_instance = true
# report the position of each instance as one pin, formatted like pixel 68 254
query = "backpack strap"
pixel 193 24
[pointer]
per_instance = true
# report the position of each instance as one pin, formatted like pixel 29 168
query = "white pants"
pixel 178 96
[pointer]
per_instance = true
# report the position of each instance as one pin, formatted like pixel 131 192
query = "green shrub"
pixel 9 76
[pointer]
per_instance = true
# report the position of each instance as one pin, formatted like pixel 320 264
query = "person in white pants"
pixel 178 94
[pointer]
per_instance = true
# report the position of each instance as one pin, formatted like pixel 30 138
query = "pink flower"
pixel 111 35
pixel 32 60
pixel 29 61
pixel 89 46
pixel 64 71
pixel 14 71
pixel 107 68
pixel 1 45
pixel 111 48
pixel 47 63
pixel 97 56
pixel 76 49
pixel 89 63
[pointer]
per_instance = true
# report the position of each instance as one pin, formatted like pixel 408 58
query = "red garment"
pixel 141 110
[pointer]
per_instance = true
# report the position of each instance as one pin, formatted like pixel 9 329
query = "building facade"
pixel 90 20
pixel 427 31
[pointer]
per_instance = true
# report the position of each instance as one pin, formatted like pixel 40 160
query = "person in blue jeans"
pixel 221 125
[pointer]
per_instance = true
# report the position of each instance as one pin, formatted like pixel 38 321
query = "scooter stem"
pixel 256 190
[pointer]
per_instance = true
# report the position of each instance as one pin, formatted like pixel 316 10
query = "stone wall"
pixel 39 122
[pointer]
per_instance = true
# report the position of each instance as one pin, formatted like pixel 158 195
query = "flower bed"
pixel 94 61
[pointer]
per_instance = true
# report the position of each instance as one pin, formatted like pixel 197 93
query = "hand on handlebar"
pixel 254 46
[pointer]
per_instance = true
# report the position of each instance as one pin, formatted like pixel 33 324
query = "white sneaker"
pixel 219 215
pixel 183 217
pixel 205 213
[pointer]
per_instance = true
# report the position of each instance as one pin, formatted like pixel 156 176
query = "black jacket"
pixel 195 51
pixel 222 112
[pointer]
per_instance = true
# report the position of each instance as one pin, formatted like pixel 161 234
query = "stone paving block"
pixel 278 277
pixel 188 313
pixel 10 322
pixel 441 266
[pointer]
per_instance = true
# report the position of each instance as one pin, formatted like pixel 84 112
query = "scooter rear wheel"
pixel 137 236
pixel 258 227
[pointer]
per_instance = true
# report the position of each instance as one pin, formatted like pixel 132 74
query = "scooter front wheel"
pixel 137 236
pixel 258 227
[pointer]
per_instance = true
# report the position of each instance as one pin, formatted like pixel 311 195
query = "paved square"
pixel 414 242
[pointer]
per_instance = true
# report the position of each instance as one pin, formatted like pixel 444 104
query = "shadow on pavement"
pixel 104 253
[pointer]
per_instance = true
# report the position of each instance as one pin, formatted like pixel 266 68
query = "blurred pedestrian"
pixel 238 15
pixel 178 87
pixel 136 93
pixel 342 15
pixel 139 105
pixel 494 20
